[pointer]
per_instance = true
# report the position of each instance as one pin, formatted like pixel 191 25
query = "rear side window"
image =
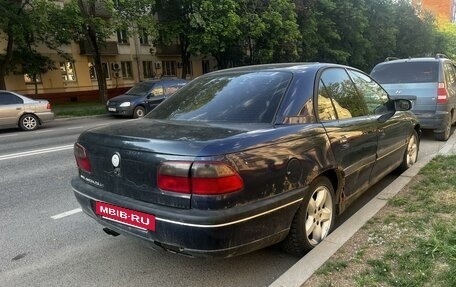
pixel 450 77
pixel 10 99
pixel 406 72
pixel 235 98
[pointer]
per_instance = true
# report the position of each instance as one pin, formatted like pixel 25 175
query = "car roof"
pixel 290 67
pixel 417 59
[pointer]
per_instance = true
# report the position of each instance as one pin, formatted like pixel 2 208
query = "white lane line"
pixel 35 152
pixel 67 213
pixel 74 128
pixel 8 135
pixel 43 131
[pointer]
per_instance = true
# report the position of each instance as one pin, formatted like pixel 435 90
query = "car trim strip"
pixel 209 225
pixel 228 223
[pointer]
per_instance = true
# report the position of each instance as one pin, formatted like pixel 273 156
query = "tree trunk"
pixel 91 37
pixel 6 62
pixel 185 56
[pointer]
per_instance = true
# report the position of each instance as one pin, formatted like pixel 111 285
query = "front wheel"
pixel 139 112
pixel 314 219
pixel 28 122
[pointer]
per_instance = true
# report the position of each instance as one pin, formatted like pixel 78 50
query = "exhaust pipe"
pixel 110 232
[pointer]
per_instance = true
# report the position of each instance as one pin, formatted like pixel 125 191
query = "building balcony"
pixel 108 49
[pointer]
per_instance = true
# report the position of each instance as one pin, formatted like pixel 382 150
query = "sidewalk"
pixel 299 273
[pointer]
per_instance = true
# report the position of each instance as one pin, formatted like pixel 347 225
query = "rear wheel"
pixel 139 112
pixel 314 220
pixel 28 122
pixel 445 135
pixel 411 152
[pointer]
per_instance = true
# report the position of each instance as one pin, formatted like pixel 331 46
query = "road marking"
pixel 43 131
pixel 74 128
pixel 67 213
pixel 8 135
pixel 35 152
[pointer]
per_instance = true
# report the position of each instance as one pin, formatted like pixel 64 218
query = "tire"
pixel 28 122
pixel 445 135
pixel 139 112
pixel 411 152
pixel 314 219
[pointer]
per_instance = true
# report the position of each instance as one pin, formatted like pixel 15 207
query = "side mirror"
pixel 402 105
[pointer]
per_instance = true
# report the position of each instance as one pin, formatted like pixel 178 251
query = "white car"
pixel 18 110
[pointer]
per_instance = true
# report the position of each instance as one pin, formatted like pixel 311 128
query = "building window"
pixel 189 72
pixel 67 71
pixel 143 38
pixel 29 79
pixel 105 68
pixel 206 66
pixel 148 69
pixel 169 68
pixel 122 37
pixel 126 70
pixel 92 71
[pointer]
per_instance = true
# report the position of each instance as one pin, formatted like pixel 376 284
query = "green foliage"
pixel 215 29
pixel 280 39
pixel 24 25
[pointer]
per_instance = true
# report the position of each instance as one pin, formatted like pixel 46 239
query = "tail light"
pixel 81 158
pixel 48 106
pixel 442 94
pixel 198 178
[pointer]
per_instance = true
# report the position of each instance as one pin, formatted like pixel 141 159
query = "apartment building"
pixel 126 61
pixel 444 10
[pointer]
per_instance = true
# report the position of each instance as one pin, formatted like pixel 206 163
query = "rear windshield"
pixel 406 72
pixel 238 98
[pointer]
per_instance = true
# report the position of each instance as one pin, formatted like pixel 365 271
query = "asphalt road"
pixel 46 241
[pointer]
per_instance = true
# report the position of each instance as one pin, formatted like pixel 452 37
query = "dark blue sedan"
pixel 143 97
pixel 244 158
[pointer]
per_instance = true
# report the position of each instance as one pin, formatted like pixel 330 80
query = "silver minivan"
pixel 429 82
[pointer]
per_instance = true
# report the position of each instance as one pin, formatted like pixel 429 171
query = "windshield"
pixel 238 98
pixel 140 89
pixel 406 72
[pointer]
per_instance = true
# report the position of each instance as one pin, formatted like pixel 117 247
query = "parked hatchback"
pixel 18 110
pixel 430 83
pixel 244 158
pixel 143 97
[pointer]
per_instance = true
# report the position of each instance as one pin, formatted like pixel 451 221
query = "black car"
pixel 143 97
pixel 244 158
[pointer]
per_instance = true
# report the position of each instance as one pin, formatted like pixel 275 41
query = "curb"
pixel 82 117
pixel 301 271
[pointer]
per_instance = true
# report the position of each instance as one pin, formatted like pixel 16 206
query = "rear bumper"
pixel 201 233
pixel 46 116
pixel 433 121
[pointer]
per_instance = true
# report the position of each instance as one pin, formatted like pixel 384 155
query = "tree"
pixel 447 40
pixel 24 25
pixel 382 33
pixel 175 23
pixel 279 42
pixel 216 30
pixel 95 21
pixel 252 27
pixel 416 31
